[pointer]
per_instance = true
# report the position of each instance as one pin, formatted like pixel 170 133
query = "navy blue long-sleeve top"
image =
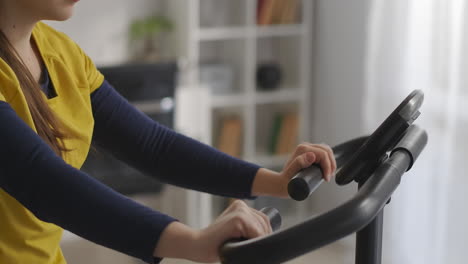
pixel 77 202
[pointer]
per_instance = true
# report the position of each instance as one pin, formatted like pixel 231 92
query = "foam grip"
pixel 274 216
pixel 305 182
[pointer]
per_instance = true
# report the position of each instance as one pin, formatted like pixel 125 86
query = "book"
pixel 230 136
pixel 260 5
pixel 274 133
pixel 289 14
pixel 277 11
pixel 265 13
pixel 287 138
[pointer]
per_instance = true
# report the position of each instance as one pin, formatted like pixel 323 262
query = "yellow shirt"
pixel 23 237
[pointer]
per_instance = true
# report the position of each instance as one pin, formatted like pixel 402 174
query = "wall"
pixel 338 82
pixel 101 27
pixel 339 39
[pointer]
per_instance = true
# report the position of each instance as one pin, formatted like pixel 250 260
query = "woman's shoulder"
pixel 58 46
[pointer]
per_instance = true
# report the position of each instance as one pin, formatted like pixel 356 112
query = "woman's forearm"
pixel 269 183
pixel 176 241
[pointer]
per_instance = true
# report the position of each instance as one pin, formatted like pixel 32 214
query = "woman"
pixel 53 102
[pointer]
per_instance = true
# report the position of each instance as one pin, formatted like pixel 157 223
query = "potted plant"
pixel 146 36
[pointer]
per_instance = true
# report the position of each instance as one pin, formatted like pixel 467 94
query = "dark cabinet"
pixel 151 88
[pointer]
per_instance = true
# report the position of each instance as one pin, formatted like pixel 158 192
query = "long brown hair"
pixel 48 126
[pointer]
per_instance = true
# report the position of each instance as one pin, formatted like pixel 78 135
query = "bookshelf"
pixel 227 33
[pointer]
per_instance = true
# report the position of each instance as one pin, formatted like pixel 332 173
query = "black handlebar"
pixel 305 182
pixel 366 159
pixel 344 220
pixel 274 216
pixel 376 162
pixel 309 179
pixel 367 152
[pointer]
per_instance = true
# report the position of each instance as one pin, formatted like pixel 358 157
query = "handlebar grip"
pixel 305 182
pixel 274 216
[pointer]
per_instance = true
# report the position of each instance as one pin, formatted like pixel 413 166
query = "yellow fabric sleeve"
pixel 2 98
pixel 95 77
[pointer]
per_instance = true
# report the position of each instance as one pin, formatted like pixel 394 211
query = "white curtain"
pixel 422 44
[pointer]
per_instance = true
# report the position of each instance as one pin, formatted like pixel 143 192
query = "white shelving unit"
pixel 226 31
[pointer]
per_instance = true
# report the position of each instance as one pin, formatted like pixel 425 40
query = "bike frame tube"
pixel 369 241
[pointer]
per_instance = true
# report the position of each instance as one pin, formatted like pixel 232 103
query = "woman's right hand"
pixel 237 221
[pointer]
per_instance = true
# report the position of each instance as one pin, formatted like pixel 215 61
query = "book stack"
pixel 230 136
pixel 277 11
pixel 284 133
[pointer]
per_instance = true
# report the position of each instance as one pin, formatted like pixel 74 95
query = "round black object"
pixel 268 76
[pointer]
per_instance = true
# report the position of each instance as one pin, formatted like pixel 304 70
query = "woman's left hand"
pixel 307 154
pixel 275 184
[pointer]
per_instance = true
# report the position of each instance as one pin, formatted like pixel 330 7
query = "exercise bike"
pixel 376 163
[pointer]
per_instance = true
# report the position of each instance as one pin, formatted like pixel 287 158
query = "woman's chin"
pixel 61 15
